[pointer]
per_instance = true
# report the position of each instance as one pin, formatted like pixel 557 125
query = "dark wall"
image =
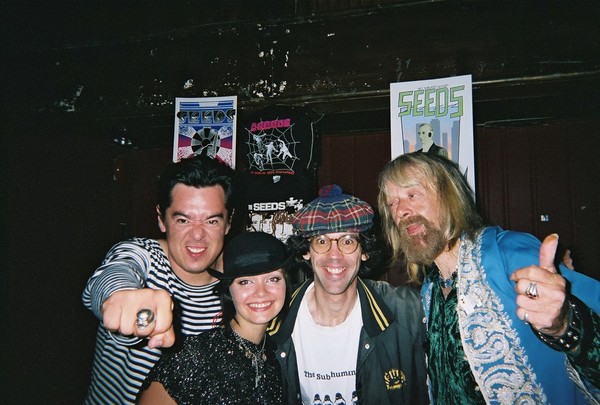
pixel 543 179
pixel 74 73
pixel 57 224
pixel 539 179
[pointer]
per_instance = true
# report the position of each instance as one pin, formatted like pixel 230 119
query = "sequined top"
pixel 214 368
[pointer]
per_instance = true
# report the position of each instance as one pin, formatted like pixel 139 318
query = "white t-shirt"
pixel 327 357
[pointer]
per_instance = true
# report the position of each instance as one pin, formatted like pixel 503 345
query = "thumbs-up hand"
pixel 541 292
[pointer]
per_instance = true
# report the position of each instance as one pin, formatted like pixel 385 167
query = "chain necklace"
pixel 258 357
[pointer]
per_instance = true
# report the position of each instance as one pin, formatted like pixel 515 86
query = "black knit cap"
pixel 250 254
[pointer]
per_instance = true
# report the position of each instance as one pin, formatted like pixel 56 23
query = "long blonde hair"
pixel 442 176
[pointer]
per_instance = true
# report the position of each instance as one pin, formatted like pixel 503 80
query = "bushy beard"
pixel 423 247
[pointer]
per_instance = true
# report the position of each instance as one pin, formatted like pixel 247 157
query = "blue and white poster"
pixel 205 126
pixel 434 116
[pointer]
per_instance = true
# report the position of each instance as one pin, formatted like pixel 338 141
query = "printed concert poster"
pixel 279 160
pixel 434 116
pixel 205 126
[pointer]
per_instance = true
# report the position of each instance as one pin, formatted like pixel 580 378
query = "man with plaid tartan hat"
pixel 344 336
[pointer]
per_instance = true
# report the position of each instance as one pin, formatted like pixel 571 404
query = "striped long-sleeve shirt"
pixel 121 363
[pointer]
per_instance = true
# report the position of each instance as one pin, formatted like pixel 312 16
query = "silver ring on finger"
pixel 525 317
pixel 144 318
pixel 531 291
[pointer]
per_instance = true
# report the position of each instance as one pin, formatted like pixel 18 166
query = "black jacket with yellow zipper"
pixel 391 360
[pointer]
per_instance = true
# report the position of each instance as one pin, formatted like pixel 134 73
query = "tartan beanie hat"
pixel 333 212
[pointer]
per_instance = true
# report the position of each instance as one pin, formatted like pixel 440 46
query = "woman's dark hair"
pixel 228 309
pixel 369 244
pixel 199 172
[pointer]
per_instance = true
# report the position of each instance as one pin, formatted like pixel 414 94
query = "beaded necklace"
pixel 257 357
pixel 449 282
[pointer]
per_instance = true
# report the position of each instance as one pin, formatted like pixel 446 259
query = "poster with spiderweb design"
pixel 278 157
pixel 205 126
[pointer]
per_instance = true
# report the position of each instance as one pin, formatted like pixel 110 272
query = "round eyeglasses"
pixel 346 244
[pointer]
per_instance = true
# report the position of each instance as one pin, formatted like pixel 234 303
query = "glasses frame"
pixel 337 242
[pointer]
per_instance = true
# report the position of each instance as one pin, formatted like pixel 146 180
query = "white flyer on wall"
pixel 434 116
pixel 205 126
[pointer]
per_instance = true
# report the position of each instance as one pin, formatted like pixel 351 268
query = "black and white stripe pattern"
pixel 122 363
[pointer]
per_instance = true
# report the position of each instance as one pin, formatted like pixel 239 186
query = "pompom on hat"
pixel 333 212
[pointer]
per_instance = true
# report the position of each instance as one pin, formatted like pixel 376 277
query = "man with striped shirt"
pixel 166 276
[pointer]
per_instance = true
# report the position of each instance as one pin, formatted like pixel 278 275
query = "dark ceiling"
pixel 114 61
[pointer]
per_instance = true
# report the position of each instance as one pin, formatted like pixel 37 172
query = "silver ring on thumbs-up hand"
pixel 531 291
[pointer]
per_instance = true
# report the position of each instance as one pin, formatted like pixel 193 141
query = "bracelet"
pixel 126 341
pixel 572 336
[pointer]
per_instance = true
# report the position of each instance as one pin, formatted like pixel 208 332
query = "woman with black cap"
pixel 234 363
